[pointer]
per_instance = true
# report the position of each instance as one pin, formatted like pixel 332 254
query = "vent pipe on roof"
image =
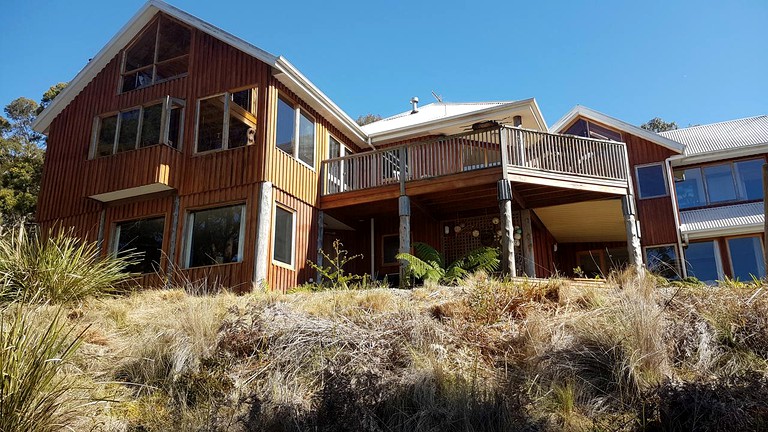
pixel 415 102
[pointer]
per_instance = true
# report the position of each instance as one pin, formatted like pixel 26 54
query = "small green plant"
pixel 34 395
pixel 333 274
pixel 428 264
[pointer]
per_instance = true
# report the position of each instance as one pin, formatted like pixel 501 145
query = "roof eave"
pixel 580 110
pixel 732 153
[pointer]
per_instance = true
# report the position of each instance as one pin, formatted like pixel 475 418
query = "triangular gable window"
pixel 159 53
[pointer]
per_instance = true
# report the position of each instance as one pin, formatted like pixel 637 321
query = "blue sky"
pixel 688 61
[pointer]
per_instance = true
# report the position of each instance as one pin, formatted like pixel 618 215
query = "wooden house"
pixel 221 162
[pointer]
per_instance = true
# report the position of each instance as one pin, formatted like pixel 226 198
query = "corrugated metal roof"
pixel 721 136
pixel 722 218
pixel 427 113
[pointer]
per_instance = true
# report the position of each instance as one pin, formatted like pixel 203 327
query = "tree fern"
pixel 428 264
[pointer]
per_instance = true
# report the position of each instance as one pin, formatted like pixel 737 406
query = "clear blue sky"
pixel 689 61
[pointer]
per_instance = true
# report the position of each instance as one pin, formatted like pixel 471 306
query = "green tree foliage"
pixel 367 119
pixel 21 157
pixel 657 124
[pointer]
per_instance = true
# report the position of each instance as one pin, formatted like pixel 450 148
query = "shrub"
pixel 34 393
pixel 57 268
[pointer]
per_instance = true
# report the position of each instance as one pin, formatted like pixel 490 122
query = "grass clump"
pixel 56 268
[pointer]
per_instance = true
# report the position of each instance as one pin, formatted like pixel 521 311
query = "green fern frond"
pixel 427 270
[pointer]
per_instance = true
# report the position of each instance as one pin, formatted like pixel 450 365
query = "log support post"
pixel 404 205
pixel 263 229
pixel 528 254
pixel 504 192
pixel 633 232
pixel 170 267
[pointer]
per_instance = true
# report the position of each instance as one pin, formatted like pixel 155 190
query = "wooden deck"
pixel 541 166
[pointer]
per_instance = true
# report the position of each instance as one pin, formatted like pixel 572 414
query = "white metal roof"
pixel 726 220
pixel 589 113
pixel 722 136
pixel 428 113
pixel 284 71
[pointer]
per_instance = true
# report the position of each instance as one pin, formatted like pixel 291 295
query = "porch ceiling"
pixel 587 221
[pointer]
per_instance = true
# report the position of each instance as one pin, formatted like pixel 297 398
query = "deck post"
pixel 528 254
pixel 263 229
pixel 171 263
pixel 320 234
pixel 102 227
pixel 404 204
pixel 504 191
pixel 633 233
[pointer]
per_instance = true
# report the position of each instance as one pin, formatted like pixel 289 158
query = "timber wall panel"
pixel 543 248
pixel 281 278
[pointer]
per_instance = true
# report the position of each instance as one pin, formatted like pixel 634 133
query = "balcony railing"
pixel 527 149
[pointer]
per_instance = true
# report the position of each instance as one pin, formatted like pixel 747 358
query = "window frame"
pixel 664 178
pixel 709 203
pixel 717 254
pixel 383 249
pixel 292 265
pixel 115 239
pixel 727 240
pixel 678 260
pixel 225 121
pixel 190 226
pixel 297 112
pixel 156 22
pixel 165 114
pixel 343 152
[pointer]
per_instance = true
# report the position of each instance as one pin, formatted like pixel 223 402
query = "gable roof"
pixel 437 117
pixel 722 136
pixel 283 70
pixel 588 113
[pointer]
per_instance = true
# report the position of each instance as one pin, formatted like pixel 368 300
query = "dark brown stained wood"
pixel 84 226
pixel 543 248
pixel 281 277
pixel 156 164
pixel 567 253
pixel 424 229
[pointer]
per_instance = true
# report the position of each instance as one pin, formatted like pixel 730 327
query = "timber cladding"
pixel 204 180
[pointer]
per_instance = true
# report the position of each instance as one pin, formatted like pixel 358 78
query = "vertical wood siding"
pixel 305 244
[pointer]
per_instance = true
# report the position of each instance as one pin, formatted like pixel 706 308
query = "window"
pixel 662 260
pixel 283 236
pixel 720 183
pixel 295 132
pixel 746 254
pixel 215 236
pixel 158 54
pixel 339 173
pixel 157 123
pixel 217 131
pixel 702 259
pixel 390 247
pixel 141 237
pixel 651 181
pixel 591 130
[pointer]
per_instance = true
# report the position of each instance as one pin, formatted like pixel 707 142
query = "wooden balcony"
pixel 132 173
pixel 533 159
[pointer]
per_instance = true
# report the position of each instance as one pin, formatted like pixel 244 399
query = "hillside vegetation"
pixel 488 355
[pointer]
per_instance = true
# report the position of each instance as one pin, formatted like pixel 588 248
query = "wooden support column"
pixel 102 226
pixel 504 194
pixel 320 234
pixel 527 241
pixel 507 229
pixel 633 233
pixel 170 265
pixel 263 229
pixel 404 204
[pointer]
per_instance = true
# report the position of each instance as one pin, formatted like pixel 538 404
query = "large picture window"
pixel 143 238
pixel 157 123
pixel 702 260
pixel 215 236
pixel 161 52
pixel 662 260
pixel 226 121
pixel 283 235
pixel 651 181
pixel 719 183
pixel 295 132
pixel 746 254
